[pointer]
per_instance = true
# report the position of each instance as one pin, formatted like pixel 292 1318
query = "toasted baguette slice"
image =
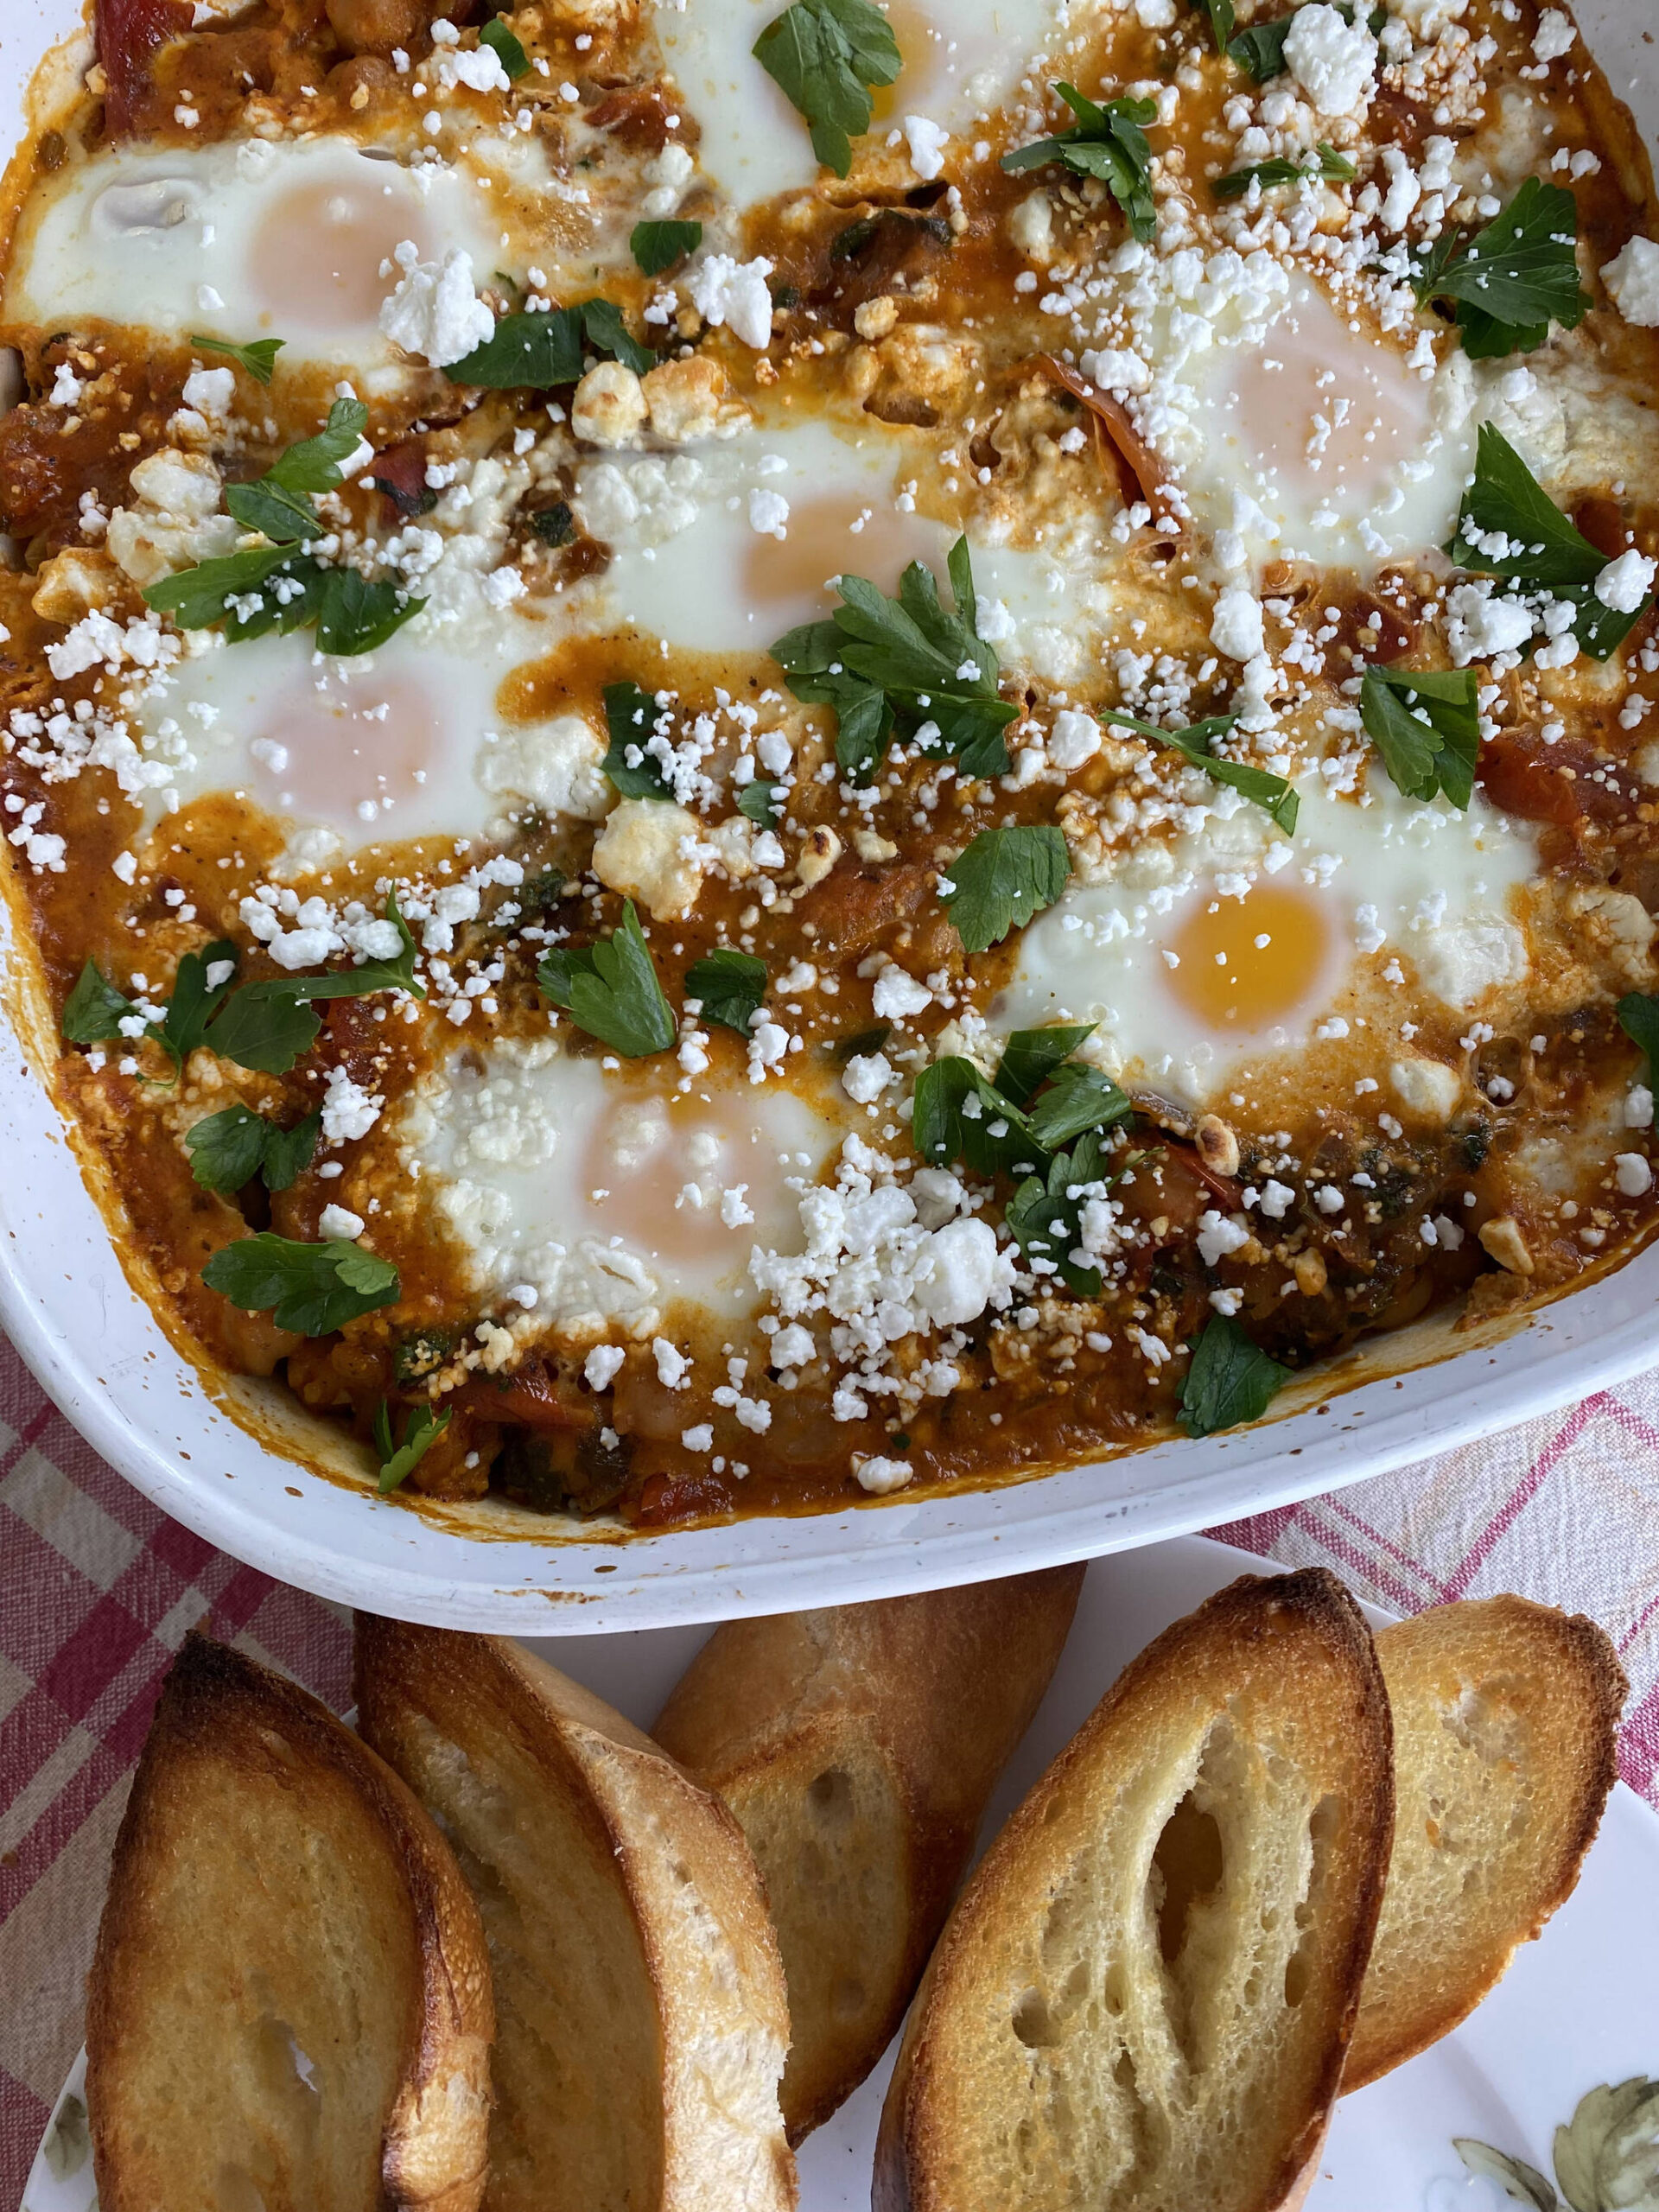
pixel 1143 2000
pixel 1504 1750
pixel 289 2002
pixel 857 1747
pixel 643 2023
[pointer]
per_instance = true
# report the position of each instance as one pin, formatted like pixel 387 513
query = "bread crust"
pixel 1562 1672
pixel 221 1708
pixel 630 1796
pixel 1293 1628
pixel 928 1695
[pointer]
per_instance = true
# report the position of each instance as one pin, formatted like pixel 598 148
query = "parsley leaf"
pixel 230 1148
pixel 555 525
pixel 610 989
pixel 536 351
pixel 1079 1098
pixel 631 717
pixel 1512 279
pixel 1639 1017
pixel 1230 1381
pixel 729 987
pixel 878 659
pixel 1003 879
pixel 1107 143
pixel 958 1115
pixel 758 801
pixel 195 1001
pixel 1044 1215
pixel 258 359
pixel 656 247
pixel 1259 48
pixel 1031 1056
pixel 1222 20
pixel 267 1025
pixel 1426 724
pixel 826 55
pixel 1332 167
pixel 509 51
pixel 1273 794
pixel 1510 526
pixel 312 1289
pixel 94 1010
pixel 529 352
pixel 275 588
pixel 423 1427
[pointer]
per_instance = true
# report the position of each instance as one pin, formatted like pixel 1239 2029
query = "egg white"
pixel 1361 884
pixel 1296 435
pixel 603 1193
pixel 690 567
pixel 242 239
pixel 960 60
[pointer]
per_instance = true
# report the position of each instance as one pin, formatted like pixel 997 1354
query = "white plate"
pixel 1576 2010
pixel 100 1352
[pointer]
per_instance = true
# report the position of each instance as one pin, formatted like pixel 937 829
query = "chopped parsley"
pixel 1639 1017
pixel 1107 143
pixel 510 52
pixel 1040 1102
pixel 610 988
pixel 1044 1215
pixel 259 358
pixel 1222 18
pixel 537 353
pixel 1230 1381
pixel 1426 724
pixel 1510 281
pixel 760 802
pixel 423 1428
pixel 1031 1056
pixel 631 718
pixel 959 1115
pixel 656 247
pixel 1509 526
pixel 1259 48
pixel 881 663
pixel 312 1289
pixel 277 587
pixel 1326 164
pixel 230 1148
pixel 729 987
pixel 827 56
pixel 555 525
pixel 1003 879
pixel 1273 794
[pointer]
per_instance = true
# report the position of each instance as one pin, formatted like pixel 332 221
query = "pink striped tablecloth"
pixel 98 1588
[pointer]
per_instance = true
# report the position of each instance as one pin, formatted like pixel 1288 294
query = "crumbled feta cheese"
pixel 1074 738
pixel 211 392
pixel 1333 61
pixel 1632 1174
pixel 1218 1234
pixel 1632 277
pixel 348 1110
pixel 1236 626
pixel 1638 1107
pixel 649 850
pixel 609 406
pixel 897 995
pixel 733 293
pixel 1623 584
pixel 602 1366
pixel 879 1475
pixel 866 1075
pixel 340 1222
pixel 435 312
pixel 768 513
pixel 1554 36
pixel 927 143
pixel 673 1368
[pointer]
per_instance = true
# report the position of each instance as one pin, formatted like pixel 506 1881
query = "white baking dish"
pixel 240 1465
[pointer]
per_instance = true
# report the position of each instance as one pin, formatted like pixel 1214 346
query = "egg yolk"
pixel 1327 414
pixel 656 1173
pixel 1249 963
pixel 315 259
pixel 943 45
pixel 346 759
pixel 836 533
